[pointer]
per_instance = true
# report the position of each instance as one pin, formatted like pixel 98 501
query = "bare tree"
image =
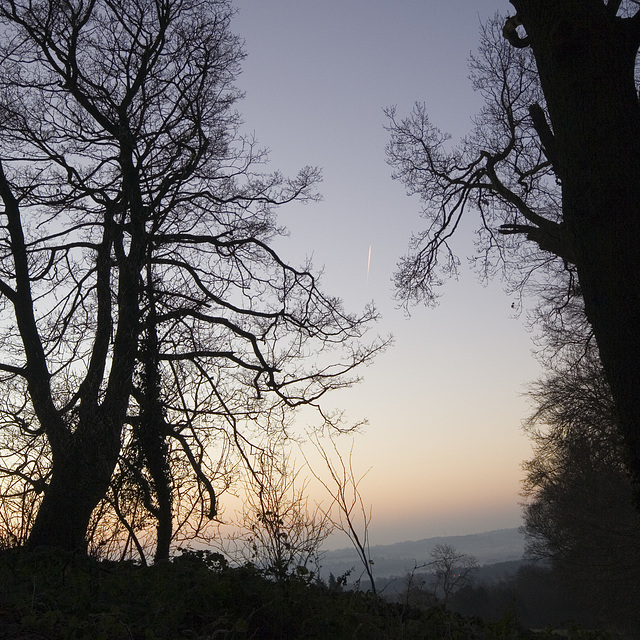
pixel 145 316
pixel 347 511
pixel 417 590
pixel 452 569
pixel 500 170
pixel 553 158
pixel 281 534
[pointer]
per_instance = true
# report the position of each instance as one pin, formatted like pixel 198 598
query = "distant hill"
pixel 491 547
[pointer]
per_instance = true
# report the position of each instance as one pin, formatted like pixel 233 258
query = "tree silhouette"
pixel 281 533
pixel 579 512
pixel 146 317
pixel 553 157
pixel 452 569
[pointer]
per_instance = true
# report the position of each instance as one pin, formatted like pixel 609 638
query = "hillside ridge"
pixel 488 547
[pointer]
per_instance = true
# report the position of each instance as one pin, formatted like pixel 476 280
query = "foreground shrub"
pixel 197 595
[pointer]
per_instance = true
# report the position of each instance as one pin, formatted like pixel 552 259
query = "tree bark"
pixel 81 472
pixel 585 58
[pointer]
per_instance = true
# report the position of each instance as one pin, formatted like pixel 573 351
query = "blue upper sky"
pixel 445 404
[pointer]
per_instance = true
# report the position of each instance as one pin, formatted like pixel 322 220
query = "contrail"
pixel 369 263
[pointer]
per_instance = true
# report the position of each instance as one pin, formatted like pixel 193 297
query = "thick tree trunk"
pixel 81 472
pixel 164 529
pixel 586 63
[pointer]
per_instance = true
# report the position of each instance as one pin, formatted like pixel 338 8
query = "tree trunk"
pixel 81 472
pixel 164 529
pixel 154 446
pixel 586 63
pixel 153 430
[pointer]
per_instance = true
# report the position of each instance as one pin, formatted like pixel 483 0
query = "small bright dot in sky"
pixel 317 78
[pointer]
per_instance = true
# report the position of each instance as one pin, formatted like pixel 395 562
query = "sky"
pixel 445 404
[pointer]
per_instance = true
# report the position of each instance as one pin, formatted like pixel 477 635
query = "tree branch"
pixel 546 136
pixel 197 468
pixel 549 235
pixel 37 373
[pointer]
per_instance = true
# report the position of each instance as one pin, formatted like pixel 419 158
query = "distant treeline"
pixel 529 591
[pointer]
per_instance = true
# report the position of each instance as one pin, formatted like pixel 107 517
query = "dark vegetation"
pixel 580 516
pixel 56 595
pixel 535 595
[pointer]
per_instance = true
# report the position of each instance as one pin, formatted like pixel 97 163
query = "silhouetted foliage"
pixel 197 595
pixel 452 570
pixel 579 514
pixel 534 596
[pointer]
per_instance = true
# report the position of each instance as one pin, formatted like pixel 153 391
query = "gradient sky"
pixel 445 404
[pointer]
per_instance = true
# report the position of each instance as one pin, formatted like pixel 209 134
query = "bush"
pixel 198 595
